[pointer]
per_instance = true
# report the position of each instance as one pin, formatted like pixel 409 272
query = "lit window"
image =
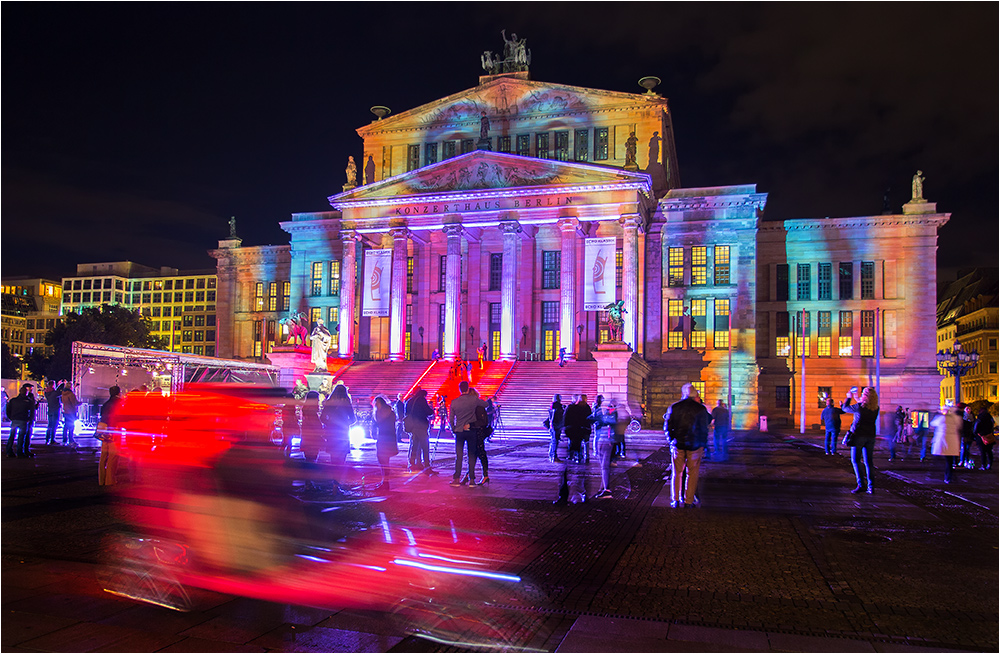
pixel 699 265
pixel 409 274
pixel 503 144
pixel 803 332
pixel 867 333
pixel 675 267
pixel 675 313
pixel 700 387
pixel 782 328
pixel 335 278
pixel 823 342
pixel 272 296
pixel 258 301
pixel 443 271
pixel 698 333
pixel 286 295
pixel 721 334
pixel 721 276
pixel 412 157
pixel 619 268
pixel 316 287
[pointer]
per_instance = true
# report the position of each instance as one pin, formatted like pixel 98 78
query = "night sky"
pixel 134 131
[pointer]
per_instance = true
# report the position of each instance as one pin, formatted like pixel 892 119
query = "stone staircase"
pixel 365 379
pixel 526 396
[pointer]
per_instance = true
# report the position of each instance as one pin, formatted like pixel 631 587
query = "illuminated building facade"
pixel 37 301
pixel 511 213
pixel 180 305
pixel 967 313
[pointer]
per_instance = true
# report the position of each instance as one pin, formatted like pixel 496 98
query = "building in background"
pixel 967 314
pixel 181 305
pixel 40 314
pixel 512 213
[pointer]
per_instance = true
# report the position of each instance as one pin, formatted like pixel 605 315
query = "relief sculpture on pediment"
pixel 483 175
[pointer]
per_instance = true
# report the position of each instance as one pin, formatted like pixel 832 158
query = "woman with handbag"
pixel 861 435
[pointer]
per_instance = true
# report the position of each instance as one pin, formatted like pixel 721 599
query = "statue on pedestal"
pixel 370 170
pixel 320 339
pixel 616 322
pixel 297 330
pixel 918 187
pixel 631 144
pixel 352 172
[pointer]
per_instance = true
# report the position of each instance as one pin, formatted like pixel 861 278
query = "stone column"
pixel 348 277
pixel 452 292
pixel 511 231
pixel 397 311
pixel 630 279
pixel 567 286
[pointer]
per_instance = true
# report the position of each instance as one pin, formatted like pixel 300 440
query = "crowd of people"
pixel 21 410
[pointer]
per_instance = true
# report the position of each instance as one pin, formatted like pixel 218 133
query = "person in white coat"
pixel 947 442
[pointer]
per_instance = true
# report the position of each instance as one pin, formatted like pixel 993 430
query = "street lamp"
pixel 956 362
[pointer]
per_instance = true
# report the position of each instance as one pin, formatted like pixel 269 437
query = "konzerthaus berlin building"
pixel 513 212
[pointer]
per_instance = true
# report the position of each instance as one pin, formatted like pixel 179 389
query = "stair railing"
pixel 503 383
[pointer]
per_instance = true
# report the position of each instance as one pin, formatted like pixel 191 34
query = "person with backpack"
pixel 555 424
pixel 984 436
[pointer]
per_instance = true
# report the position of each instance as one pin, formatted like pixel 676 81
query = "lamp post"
pixel 956 362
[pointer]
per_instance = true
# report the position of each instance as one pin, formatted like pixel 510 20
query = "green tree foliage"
pixel 10 364
pixel 108 324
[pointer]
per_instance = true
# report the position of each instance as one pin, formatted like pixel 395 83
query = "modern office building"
pixel 514 212
pixel 181 305
pixel 35 300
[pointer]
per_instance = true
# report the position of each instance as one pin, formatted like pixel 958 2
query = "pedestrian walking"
pixel 968 436
pixel 896 433
pixel 947 427
pixel 862 435
pixel 312 438
pixel 417 417
pixel 384 422
pixel 576 420
pixel 69 408
pixel 831 423
pixel 595 416
pixel 720 431
pixel 686 424
pixel 984 437
pixel 555 424
pixel 52 406
pixel 481 428
pixel 399 409
pixel 462 416
pixel 604 429
pixel 109 435
pixel 921 423
pixel 20 411
pixel 338 416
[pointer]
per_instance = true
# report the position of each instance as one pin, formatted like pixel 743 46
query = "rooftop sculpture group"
pixel 516 56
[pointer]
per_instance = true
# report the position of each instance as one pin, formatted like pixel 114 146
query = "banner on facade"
pixel 377 283
pixel 599 273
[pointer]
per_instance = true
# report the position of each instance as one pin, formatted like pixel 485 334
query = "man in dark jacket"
pixel 21 413
pixel 831 422
pixel 52 404
pixel 686 423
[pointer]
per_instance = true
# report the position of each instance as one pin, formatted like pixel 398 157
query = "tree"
pixel 108 324
pixel 10 364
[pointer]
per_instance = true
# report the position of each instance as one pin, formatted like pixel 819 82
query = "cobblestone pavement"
pixel 778 556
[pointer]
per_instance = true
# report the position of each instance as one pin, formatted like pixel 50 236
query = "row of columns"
pixel 511 232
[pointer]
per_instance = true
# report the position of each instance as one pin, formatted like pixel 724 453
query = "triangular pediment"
pixel 483 170
pixel 509 98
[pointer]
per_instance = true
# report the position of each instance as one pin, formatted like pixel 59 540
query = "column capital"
pixel 569 224
pixel 632 221
pixel 452 230
pixel 399 233
pixel 509 227
pixel 349 235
